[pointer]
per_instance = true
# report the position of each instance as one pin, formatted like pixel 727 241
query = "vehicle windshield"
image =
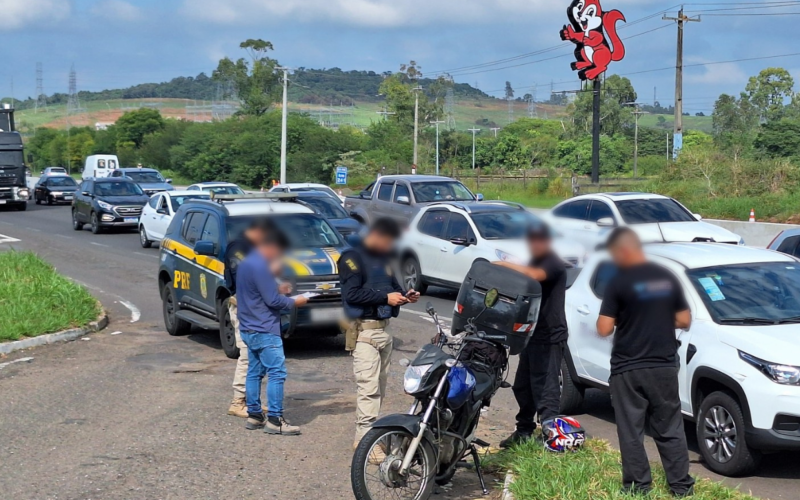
pixel 746 294
pixel 503 225
pixel 321 189
pixel 61 182
pixel 302 230
pixel 328 207
pixel 117 188
pixel 650 211
pixel 426 192
pixel 56 170
pixel 11 158
pixel 146 177
pixel 224 190
pixel 177 201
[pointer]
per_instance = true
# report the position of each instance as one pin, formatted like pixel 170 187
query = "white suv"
pixel 739 360
pixel 445 239
pixel 159 211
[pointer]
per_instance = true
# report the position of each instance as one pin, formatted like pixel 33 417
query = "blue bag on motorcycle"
pixel 461 382
pixel 515 313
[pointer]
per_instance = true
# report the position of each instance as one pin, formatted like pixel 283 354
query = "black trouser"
pixel 536 384
pixel 650 395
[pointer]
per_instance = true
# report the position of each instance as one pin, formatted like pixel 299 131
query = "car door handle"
pixel 584 310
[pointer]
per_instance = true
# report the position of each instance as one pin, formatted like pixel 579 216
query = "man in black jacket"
pixel 371 296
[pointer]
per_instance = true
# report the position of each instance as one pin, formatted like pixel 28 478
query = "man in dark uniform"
pixel 646 303
pixel 536 386
pixel 236 252
pixel 371 296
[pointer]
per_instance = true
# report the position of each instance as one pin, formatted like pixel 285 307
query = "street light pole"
pixel 474 131
pixel 636 113
pixel 416 125
pixel 437 123
pixel 495 129
pixel 284 121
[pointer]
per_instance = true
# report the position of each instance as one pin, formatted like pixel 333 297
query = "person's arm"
pixel 353 289
pixel 531 272
pixel 268 289
pixel 683 315
pixel 683 319
pixel 609 310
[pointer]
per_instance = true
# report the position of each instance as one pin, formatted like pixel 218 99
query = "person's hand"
pixel 300 300
pixel 285 288
pixel 412 296
pixel 276 266
pixel 396 299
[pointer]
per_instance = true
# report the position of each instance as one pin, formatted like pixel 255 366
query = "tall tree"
pixel 734 123
pixel 614 114
pixel 134 125
pixel 256 81
pixel 770 91
pixel 509 91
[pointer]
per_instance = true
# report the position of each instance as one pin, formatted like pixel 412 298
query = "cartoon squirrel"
pixel 593 53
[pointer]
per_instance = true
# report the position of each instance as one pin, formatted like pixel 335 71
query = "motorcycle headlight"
pixel 105 206
pixel 780 374
pixel 413 378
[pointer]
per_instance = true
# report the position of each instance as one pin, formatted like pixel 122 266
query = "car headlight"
pixel 507 257
pixel 413 377
pixel 23 193
pixel 105 206
pixel 741 241
pixel 781 374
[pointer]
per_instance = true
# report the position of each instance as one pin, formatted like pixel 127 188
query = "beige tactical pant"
pixel 240 374
pixel 371 360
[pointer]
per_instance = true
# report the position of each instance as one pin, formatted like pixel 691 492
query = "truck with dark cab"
pixel 14 191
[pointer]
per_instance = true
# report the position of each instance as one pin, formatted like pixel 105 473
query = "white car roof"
pixel 183 193
pixel 620 196
pixel 698 255
pixel 301 185
pixel 260 207
pixel 213 184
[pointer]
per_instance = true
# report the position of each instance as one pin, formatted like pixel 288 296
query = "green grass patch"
pixel 35 299
pixel 592 473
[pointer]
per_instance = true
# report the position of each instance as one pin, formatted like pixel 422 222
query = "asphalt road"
pixel 141 414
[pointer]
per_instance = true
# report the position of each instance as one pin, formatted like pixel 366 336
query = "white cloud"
pixel 117 10
pixel 19 13
pixel 726 73
pixel 366 13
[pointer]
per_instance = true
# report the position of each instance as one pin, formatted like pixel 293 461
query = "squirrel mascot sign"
pixel 594 34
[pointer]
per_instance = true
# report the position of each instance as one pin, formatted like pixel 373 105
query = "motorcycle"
pixel 404 455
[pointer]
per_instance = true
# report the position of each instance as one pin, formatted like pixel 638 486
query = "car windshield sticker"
pixel 717 278
pixel 711 288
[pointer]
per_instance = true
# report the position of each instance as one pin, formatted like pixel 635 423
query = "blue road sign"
pixel 341 175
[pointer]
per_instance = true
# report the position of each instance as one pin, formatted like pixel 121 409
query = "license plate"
pixel 328 315
pixel 68 197
pixel 131 219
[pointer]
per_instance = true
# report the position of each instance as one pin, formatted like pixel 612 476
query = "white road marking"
pixel 7 239
pixel 20 360
pixel 65 237
pixel 6 223
pixel 98 244
pixel 147 255
pixel 135 313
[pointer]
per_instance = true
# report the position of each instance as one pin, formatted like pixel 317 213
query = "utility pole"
pixel 385 113
pixel 474 131
pixel 284 120
pixel 677 142
pixel 495 129
pixel 416 91
pixel 437 123
pixel 636 113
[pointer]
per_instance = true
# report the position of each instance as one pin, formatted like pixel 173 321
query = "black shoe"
pixel 685 494
pixel 255 421
pixel 514 439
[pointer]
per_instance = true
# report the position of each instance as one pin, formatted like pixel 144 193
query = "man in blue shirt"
pixel 260 304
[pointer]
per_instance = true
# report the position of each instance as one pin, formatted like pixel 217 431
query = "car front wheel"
pixel 96 229
pixel 76 224
pixel 572 392
pixel 227 334
pixel 721 436
pixel 175 325
pixel 412 275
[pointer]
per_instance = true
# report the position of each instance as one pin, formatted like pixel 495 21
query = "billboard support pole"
pixel 596 131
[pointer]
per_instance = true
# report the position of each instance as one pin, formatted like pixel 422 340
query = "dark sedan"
pixel 331 209
pixel 55 189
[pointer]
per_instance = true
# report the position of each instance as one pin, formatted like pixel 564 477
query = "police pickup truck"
pixel 191 273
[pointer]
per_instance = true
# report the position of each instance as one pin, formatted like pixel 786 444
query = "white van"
pixel 98 166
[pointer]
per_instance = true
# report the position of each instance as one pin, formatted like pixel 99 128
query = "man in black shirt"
pixel 536 387
pixel 646 304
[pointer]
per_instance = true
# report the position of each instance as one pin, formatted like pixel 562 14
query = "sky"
pixel 118 43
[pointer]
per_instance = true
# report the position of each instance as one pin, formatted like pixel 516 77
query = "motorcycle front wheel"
pixel 375 472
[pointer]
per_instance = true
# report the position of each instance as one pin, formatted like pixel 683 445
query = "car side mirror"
pixel 204 247
pixel 86 193
pixel 606 222
pixel 403 200
pixel 169 181
pixel 698 216
pixel 363 194
pixel 462 242
pixel 479 197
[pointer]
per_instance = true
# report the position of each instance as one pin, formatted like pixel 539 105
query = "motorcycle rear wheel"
pixel 374 472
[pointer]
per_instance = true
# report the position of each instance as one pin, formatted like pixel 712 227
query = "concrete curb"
pixel 67 335
pixel 507 495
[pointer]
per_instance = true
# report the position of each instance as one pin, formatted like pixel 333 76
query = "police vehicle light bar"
pixel 286 197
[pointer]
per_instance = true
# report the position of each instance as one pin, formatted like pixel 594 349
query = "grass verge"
pixel 593 473
pixel 35 299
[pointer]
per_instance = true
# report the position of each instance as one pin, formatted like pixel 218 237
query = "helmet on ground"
pixel 562 434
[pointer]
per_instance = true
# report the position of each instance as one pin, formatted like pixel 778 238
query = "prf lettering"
pixel 182 280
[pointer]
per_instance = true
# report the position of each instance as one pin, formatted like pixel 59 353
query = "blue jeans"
pixel 265 351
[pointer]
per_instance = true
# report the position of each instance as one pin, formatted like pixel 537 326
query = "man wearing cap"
pixel 536 387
